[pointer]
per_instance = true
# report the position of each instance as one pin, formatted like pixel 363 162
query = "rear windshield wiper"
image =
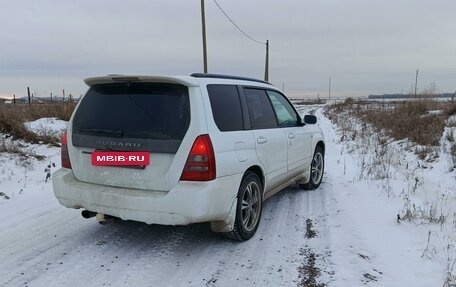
pixel 151 135
pixel 115 133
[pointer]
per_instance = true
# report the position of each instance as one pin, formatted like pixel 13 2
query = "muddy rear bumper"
pixel 185 203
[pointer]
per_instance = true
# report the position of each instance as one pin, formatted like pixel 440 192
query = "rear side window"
pixel 285 113
pixel 261 113
pixel 156 114
pixel 226 107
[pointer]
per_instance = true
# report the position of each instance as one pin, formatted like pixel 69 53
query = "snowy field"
pixel 345 233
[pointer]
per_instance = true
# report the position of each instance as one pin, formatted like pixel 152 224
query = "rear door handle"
pixel 291 136
pixel 262 140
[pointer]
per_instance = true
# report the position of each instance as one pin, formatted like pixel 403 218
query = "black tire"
pixel 249 204
pixel 317 165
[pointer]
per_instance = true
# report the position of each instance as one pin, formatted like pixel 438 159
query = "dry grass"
pixel 12 118
pixel 421 121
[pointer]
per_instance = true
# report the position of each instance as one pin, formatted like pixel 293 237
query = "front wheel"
pixel 317 168
pixel 248 210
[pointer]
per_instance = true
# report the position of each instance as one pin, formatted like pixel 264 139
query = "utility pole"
pixel 266 68
pixel 203 22
pixel 14 99
pixel 28 93
pixel 416 80
pixel 329 93
pixel 283 87
pixel 63 93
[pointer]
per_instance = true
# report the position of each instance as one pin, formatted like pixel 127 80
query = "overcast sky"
pixel 366 47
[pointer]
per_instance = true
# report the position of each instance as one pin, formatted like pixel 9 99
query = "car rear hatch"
pixel 130 116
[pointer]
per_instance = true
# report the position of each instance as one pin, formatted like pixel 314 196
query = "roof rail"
pixel 230 77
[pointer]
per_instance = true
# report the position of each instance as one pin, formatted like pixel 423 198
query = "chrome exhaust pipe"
pixel 88 214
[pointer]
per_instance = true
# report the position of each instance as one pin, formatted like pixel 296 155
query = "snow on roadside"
pixel 418 251
pixel 47 126
pixel 25 175
pixel 22 171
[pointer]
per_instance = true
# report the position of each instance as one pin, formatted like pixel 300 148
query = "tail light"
pixel 200 165
pixel 65 157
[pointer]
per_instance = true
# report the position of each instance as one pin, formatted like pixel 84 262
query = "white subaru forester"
pixel 177 150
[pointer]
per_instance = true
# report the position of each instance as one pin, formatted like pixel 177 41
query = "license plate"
pixel 120 158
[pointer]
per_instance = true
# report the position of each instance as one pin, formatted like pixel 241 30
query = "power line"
pixel 239 28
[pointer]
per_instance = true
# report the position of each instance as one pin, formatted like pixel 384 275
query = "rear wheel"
pixel 248 210
pixel 317 168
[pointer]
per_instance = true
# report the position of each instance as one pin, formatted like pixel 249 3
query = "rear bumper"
pixel 185 203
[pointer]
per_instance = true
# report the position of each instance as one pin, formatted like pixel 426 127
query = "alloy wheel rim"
pixel 251 204
pixel 317 167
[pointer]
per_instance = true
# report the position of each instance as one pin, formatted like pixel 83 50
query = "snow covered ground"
pixel 343 234
pixel 46 126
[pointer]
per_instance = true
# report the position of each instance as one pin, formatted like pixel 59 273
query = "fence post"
pixel 28 93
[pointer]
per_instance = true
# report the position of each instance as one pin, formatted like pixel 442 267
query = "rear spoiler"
pixel 127 78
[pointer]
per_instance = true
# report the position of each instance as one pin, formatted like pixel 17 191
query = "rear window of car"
pixel 157 111
pixel 226 107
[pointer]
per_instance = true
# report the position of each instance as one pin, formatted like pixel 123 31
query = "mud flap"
pixel 226 225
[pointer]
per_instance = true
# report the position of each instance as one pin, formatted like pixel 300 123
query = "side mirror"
pixel 310 119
